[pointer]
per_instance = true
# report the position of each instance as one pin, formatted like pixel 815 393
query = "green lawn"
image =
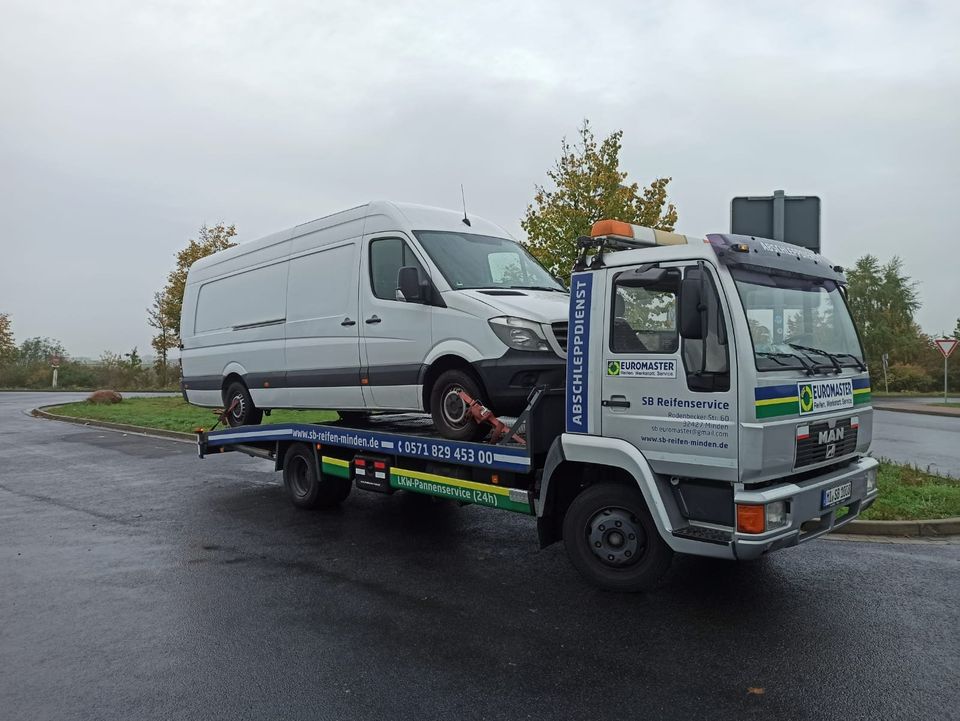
pixel 907 493
pixel 172 414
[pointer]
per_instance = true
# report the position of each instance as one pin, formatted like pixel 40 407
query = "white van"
pixel 388 306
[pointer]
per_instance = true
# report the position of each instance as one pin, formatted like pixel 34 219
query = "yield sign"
pixel 947 345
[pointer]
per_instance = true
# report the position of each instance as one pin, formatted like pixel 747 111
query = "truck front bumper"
pixel 806 518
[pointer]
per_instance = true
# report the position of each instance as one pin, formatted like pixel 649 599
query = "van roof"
pixel 394 216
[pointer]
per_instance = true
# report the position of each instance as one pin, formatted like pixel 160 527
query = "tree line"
pixel 586 184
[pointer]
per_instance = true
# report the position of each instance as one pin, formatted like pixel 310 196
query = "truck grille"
pixel 560 333
pixel 825 440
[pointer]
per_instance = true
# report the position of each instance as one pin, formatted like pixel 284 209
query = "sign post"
pixel 886 363
pixel 946 346
pixel 55 364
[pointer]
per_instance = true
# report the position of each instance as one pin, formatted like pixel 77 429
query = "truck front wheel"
pixel 612 540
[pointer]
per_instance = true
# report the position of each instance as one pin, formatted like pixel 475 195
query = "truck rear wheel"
pixel 306 485
pixel 612 540
pixel 244 413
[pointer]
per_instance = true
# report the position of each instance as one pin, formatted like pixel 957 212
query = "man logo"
pixel 806 398
pixel 613 368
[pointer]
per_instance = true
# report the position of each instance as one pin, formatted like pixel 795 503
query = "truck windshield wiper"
pixel 775 357
pixel 832 356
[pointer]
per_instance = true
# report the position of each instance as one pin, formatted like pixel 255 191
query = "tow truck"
pixel 716 403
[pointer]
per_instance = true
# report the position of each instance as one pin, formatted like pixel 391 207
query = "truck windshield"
pixel 798 323
pixel 482 261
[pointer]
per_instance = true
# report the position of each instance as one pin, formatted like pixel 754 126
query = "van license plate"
pixel 835 495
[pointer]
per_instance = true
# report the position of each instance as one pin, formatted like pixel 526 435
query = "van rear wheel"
pixel 450 414
pixel 242 412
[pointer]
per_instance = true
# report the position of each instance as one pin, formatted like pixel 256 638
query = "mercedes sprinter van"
pixel 383 307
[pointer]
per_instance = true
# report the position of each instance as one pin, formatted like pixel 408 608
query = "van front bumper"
pixel 806 518
pixel 509 379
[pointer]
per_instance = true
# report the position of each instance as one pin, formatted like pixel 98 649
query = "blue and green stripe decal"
pixel 782 400
pixel 861 391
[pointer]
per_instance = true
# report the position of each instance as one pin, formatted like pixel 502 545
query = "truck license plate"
pixel 833 496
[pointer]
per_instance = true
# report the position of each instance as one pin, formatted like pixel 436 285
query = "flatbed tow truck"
pixel 716 403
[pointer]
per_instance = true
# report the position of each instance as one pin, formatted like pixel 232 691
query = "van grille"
pixel 823 441
pixel 560 333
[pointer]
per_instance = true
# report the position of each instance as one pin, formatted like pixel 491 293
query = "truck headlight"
pixel 871 479
pixel 776 514
pixel 518 333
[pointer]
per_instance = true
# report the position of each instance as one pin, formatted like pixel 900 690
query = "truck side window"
pixel 644 319
pixel 712 373
pixel 387 257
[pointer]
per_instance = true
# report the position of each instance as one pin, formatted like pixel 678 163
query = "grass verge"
pixel 171 414
pixel 909 494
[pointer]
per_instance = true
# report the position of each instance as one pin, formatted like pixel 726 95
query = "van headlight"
pixel 518 333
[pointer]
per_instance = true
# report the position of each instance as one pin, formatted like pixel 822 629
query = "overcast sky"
pixel 125 126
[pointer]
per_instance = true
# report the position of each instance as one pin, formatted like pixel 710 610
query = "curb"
pixel 124 427
pixel 942 412
pixel 904 529
pixel 911 529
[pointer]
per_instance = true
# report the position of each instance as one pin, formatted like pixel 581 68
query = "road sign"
pixel 55 361
pixel 790 218
pixel 947 345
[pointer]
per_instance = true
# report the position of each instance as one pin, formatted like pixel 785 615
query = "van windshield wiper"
pixel 535 287
pixel 832 356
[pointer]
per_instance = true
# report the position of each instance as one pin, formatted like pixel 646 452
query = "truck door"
pixel 395 335
pixel 659 391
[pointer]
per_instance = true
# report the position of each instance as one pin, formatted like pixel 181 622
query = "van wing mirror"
pixel 409 287
pixel 691 307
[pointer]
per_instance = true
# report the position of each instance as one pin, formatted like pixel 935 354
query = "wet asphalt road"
pixel 138 582
pixel 930 442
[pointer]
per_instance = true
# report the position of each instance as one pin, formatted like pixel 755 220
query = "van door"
pixel 323 329
pixel 395 335
pixel 658 392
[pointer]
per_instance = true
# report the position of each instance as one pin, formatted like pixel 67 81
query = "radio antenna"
pixel 466 220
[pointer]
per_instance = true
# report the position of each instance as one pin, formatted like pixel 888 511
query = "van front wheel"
pixel 238 402
pixel 450 414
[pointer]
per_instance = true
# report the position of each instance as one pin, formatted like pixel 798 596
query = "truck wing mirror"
pixel 691 308
pixel 409 286
pixel 647 276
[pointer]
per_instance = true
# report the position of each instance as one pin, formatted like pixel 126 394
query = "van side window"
pixel 711 373
pixel 387 257
pixel 644 318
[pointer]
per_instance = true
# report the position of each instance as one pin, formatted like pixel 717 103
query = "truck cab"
pixel 726 377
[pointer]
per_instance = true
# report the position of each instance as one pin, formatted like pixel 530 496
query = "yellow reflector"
pixel 750 519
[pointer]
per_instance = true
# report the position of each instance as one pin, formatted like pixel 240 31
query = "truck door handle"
pixel 615 402
pixel 372 319
pixel 347 321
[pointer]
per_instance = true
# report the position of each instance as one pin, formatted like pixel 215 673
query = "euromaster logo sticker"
pixel 820 396
pixel 653 368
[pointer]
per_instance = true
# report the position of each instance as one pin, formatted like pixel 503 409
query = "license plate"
pixel 835 495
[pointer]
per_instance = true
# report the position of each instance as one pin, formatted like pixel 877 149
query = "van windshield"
pixel 482 261
pixel 798 323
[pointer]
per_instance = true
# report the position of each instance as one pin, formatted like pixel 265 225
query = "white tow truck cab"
pixel 716 403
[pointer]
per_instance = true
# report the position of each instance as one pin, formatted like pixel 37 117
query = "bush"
pixel 910 377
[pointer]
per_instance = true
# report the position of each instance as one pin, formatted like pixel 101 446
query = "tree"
pixel 956 330
pixel 168 302
pixel 8 347
pixel 588 185
pixel 883 300
pixel 38 350
pixel 165 339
